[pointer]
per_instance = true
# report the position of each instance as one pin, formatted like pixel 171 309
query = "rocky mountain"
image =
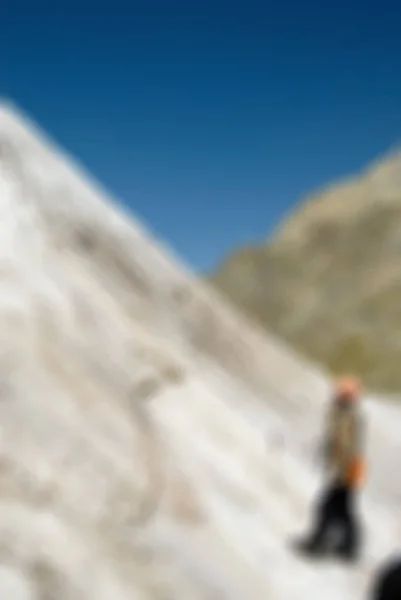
pixel 153 444
pixel 329 279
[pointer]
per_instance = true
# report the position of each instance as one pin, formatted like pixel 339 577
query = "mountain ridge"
pixel 327 279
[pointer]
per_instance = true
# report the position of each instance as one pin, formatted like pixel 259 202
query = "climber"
pixel 343 457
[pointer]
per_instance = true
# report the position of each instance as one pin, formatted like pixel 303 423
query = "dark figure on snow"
pixel 336 528
pixel 387 582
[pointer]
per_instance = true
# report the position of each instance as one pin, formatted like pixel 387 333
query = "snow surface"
pixel 153 443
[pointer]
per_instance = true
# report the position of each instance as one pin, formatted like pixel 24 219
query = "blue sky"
pixel 209 119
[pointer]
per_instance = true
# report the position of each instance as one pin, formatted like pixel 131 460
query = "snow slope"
pixel 153 444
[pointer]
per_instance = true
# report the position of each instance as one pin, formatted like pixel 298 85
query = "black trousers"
pixel 336 516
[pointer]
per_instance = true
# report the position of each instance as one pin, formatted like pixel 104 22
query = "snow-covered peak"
pixel 153 443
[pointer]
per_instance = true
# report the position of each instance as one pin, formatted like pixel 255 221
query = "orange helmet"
pixel 348 387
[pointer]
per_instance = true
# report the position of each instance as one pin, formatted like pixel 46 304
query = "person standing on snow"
pixel 343 454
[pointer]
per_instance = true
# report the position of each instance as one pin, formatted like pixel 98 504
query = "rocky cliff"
pixel 329 279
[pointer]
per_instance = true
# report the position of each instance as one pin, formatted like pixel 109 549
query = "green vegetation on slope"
pixel 334 290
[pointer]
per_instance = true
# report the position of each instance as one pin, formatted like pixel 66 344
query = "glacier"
pixel 154 444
